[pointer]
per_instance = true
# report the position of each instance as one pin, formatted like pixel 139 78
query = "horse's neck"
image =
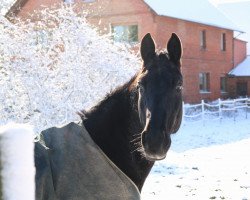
pixel 113 124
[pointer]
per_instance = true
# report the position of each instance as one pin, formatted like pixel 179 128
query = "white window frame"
pixel 124 30
pixel 204 82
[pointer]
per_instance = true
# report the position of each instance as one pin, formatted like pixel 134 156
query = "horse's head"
pixel 160 96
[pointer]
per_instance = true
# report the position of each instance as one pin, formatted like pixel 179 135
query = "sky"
pixel 225 1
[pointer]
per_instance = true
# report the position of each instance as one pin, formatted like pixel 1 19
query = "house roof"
pixel 199 11
pixel 15 7
pixel 243 69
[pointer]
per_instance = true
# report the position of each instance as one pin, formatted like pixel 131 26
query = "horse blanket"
pixel 70 166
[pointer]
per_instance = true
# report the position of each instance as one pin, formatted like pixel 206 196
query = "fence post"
pixel 246 107
pixel 220 110
pixel 203 111
pixel 248 101
pixel 183 112
pixel 1 185
pixel 234 110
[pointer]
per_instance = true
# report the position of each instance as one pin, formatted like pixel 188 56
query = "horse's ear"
pixel 147 48
pixel 174 48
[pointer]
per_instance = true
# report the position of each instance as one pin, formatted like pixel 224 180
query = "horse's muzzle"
pixel 155 145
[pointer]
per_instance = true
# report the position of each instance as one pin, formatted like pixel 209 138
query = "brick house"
pixel 210 49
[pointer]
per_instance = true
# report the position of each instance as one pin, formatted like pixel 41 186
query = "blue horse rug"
pixel 70 166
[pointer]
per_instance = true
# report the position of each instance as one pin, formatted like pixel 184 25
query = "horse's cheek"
pixel 141 111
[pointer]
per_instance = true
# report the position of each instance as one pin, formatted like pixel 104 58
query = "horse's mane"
pixel 112 96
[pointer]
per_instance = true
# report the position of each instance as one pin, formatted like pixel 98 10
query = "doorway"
pixel 241 89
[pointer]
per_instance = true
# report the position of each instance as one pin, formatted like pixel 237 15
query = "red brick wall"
pixel 240 51
pixel 32 5
pixel 116 12
pixel 195 60
pixel 103 13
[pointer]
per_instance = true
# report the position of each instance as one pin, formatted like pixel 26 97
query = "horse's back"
pixel 70 167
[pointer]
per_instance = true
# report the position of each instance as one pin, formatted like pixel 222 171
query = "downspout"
pixel 233 52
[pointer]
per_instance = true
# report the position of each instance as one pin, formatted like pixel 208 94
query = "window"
pixel 223 42
pixel 203 39
pixel 223 84
pixel 68 1
pixel 88 1
pixel 125 33
pixel 204 82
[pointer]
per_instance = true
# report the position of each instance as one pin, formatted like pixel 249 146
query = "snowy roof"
pixel 199 11
pixel 243 69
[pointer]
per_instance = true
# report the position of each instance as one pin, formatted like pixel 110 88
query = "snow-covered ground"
pixel 206 161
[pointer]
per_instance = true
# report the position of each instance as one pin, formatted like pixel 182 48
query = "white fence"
pixel 216 110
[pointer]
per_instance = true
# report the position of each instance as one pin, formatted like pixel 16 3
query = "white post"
pixel 220 110
pixel 246 107
pixel 17 159
pixel 203 111
pixel 234 110
pixel 248 101
pixel 183 112
pixel 1 184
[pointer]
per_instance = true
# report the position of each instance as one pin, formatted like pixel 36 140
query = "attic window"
pixel 203 42
pixel 223 42
pixel 88 1
pixel 68 1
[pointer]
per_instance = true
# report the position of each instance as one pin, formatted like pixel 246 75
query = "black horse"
pixel 132 126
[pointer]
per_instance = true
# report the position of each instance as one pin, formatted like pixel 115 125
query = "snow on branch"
pixel 53 67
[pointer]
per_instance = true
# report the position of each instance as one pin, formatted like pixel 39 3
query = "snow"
pixel 200 11
pixel 206 161
pixel 17 159
pixel 4 5
pixel 243 69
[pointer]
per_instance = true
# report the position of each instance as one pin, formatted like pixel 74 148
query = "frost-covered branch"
pixel 51 68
